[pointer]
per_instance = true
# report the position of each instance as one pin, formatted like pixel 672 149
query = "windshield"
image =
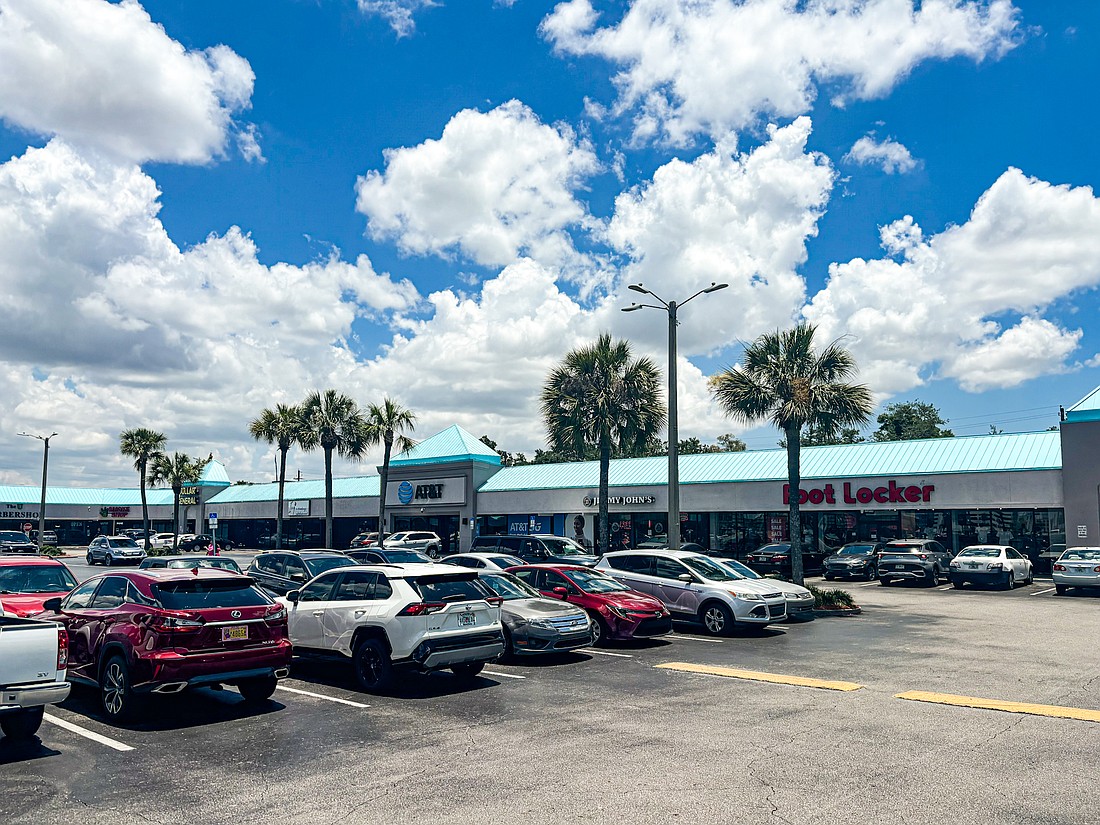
pixel 318 566
pixel 596 583
pixel 13 536
pixel 508 587
pixel 981 552
pixel 126 543
pixel 856 549
pixel 1081 554
pixel 38 578
pixel 709 569
pixel 204 561
pixel 203 593
pixel 564 547
pixel 505 561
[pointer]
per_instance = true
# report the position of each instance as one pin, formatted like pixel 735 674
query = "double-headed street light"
pixel 673 428
pixel 45 439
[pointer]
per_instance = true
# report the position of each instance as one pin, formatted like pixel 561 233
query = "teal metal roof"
pixel 453 444
pixel 214 475
pixel 355 487
pixel 103 497
pixel 1087 409
pixel 969 454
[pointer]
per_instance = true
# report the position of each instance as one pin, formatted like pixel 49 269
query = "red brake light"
pixel 1060 567
pixel 1096 569
pixel 275 613
pixel 174 621
pixel 495 601
pixel 62 648
pixel 421 608
pixel 779 558
pixel 924 555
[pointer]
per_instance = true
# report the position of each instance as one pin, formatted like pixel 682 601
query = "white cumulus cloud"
pixel 104 76
pixel 891 156
pixel 398 13
pixel 708 66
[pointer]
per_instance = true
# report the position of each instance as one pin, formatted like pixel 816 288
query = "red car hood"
pixel 631 600
pixel 27 604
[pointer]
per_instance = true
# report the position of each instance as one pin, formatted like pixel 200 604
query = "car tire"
pixel 934 579
pixel 1030 576
pixel 1060 589
pixel 717 619
pixel 467 670
pixel 259 689
pixel 23 724
pixel 88 558
pixel 433 552
pixel 872 574
pixel 116 694
pixel 601 633
pixel 1010 581
pixel 509 646
pixel 373 668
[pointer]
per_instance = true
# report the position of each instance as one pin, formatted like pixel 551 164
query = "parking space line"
pixel 871 584
pixel 758 676
pixel 1056 711
pixel 322 696
pixel 945 587
pixel 603 653
pixel 87 734
pixel 1041 592
pixel 691 638
pixel 505 675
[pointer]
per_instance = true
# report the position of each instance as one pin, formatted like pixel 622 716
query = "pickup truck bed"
pixel 33 659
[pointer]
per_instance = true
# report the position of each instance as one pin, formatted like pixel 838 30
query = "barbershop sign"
pixel 849 492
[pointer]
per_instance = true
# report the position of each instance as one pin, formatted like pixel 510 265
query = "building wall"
pixel 1081 481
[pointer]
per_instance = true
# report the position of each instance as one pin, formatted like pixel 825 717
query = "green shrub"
pixel 831 599
pixel 50 550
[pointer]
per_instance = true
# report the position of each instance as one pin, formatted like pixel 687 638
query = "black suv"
pixel 280 571
pixel 536 549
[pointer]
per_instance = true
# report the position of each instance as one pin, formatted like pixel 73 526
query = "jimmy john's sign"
pixel 617 501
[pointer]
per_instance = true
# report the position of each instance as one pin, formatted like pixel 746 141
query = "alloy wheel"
pixel 114 688
pixel 715 620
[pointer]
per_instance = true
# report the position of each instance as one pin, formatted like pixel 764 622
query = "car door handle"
pixel 318 613
pixel 360 612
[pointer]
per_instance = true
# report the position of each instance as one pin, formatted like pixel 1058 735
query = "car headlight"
pixel 544 624
pixel 749 597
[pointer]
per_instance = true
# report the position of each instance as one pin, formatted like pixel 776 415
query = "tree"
pixel 176 471
pixel 731 443
pixel 142 445
pixel 782 378
pixel 818 437
pixel 905 420
pixel 507 459
pixel 282 427
pixel 333 422
pixel 601 398
pixel 384 425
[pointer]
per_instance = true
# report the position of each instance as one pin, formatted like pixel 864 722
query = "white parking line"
pixel 603 653
pixel 697 638
pixel 505 675
pixel 322 696
pixel 87 734
pixel 945 587
pixel 1041 592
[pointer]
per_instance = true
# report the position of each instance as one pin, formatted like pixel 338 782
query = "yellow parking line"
pixel 1057 711
pixel 758 676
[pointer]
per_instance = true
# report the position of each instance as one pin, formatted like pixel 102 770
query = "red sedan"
pixel 162 631
pixel 26 583
pixel 617 612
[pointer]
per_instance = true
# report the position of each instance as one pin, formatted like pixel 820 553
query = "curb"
pixel 840 611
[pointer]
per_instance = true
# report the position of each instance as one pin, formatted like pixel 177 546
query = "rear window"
pixel 204 593
pixel 903 549
pixel 205 561
pixel 461 588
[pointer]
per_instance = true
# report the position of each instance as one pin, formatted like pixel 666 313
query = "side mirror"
pixel 686 577
pixel 560 592
pixel 298 577
pixel 293 595
pixel 53 605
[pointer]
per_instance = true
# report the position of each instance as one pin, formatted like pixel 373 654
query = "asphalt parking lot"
pixel 655 732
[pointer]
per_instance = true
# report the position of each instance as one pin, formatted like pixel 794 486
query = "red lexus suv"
pixel 617 612
pixel 165 630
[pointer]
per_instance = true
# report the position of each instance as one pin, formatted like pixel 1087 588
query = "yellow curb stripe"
pixel 1057 711
pixel 758 676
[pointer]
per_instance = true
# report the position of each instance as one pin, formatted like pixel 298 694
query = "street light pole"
pixel 45 439
pixel 671 307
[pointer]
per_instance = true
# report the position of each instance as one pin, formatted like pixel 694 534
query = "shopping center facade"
pixel 1023 489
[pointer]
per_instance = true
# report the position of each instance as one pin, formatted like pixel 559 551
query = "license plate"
pixel 899 566
pixel 973 565
pixel 466 619
pixel 235 633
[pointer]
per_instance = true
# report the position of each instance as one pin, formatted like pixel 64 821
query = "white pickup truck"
pixel 33 659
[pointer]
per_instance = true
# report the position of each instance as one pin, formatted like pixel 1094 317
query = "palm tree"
pixel 282 427
pixel 781 377
pixel 333 422
pixel 384 426
pixel 142 445
pixel 176 471
pixel 601 398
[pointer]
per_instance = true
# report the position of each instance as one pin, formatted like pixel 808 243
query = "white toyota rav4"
pixel 386 617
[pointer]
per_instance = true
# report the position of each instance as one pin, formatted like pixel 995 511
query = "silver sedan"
pixel 1077 567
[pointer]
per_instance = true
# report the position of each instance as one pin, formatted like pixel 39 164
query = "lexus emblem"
pixel 236 614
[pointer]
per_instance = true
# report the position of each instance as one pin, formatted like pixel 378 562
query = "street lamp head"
pixel 639 288
pixel 715 287
pixel 632 307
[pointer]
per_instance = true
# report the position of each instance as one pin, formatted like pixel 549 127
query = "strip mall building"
pixel 1028 489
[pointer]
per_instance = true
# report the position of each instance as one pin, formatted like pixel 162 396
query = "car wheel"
pixel 373 668
pixel 717 619
pixel 1030 576
pixel 509 647
pixel 433 552
pixel 115 691
pixel 22 725
pixel 872 574
pixel 601 633
pixel 90 560
pixel 259 689
pixel 107 560
pixel 467 670
pixel 1010 580
pixel 1060 589
pixel 934 579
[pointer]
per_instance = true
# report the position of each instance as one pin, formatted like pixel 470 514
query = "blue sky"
pixel 213 207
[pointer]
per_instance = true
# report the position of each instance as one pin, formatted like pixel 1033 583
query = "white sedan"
pixel 990 564
pixel 1077 567
pixel 484 561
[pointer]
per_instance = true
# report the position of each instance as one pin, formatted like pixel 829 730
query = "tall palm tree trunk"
pixel 794 479
pixel 605 476
pixel 328 497
pixel 384 482
pixel 279 514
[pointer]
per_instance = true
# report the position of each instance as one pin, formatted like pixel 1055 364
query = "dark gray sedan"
pixel 534 624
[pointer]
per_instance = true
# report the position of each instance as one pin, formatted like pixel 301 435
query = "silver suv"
pixel 695 587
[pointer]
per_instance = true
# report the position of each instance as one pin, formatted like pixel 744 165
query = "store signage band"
pixel 189 496
pixel 890 493
pixel 594 501
pixel 427 492
pixel 31 514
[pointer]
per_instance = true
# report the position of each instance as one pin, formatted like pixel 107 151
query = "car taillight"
pixel 1096 569
pixel 62 648
pixel 924 555
pixel 275 613
pixel 170 621
pixel 779 558
pixel 1060 567
pixel 421 608
pixel 495 601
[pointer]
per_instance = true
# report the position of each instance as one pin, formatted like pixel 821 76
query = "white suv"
pixel 385 617
pixel 420 540
pixel 695 588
